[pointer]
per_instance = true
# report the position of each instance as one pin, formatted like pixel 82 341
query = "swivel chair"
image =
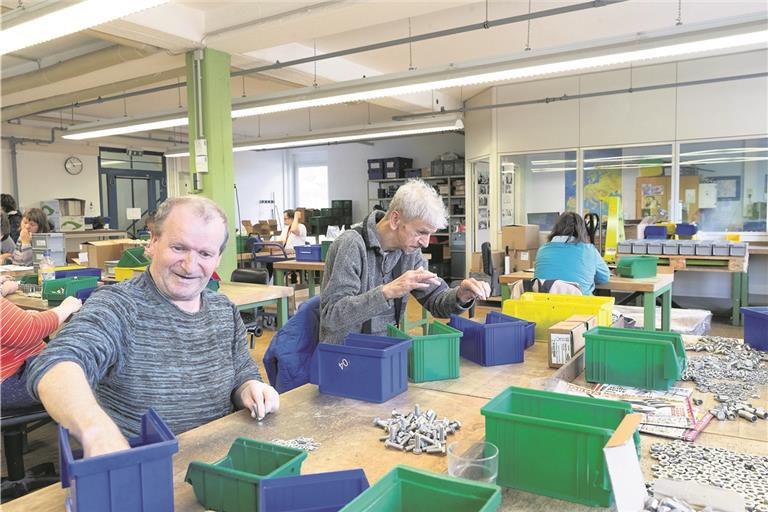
pixel 17 423
pixel 257 319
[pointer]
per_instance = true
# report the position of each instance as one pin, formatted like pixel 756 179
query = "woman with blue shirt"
pixel 569 256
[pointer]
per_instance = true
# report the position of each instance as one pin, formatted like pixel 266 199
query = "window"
pixel 312 186
pixel 640 175
pixel 724 184
pixel 548 182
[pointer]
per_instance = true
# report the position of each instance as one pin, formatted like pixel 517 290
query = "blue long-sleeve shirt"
pixel 575 262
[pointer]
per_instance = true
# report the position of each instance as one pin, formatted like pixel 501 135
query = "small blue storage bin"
pixel 756 327
pixel 501 340
pixel 530 327
pixel 684 229
pixel 308 252
pixel 655 232
pixel 137 479
pixel 79 272
pixel 321 492
pixel 365 367
pixel 85 293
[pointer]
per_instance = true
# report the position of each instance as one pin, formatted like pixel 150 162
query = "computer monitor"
pixel 546 220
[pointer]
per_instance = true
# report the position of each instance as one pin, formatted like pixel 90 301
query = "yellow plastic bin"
pixel 125 273
pixel 547 309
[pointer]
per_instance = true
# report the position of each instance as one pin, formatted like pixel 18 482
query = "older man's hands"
pixel 473 289
pixel 259 398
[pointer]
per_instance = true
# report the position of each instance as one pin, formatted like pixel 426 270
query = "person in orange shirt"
pixel 21 335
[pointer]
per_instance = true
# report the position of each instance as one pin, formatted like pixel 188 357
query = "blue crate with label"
pixel 501 340
pixel 365 367
pixel 137 479
pixel 309 252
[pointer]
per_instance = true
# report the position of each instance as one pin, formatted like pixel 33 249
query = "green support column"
pixel 216 106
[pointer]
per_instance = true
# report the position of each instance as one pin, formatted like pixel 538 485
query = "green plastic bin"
pixel 552 443
pixel 242 243
pixel 434 356
pixel 406 489
pixel 324 246
pixel 232 483
pixel 637 267
pixel 56 290
pixel 134 257
pixel 631 357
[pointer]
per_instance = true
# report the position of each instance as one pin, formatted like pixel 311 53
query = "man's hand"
pixel 24 235
pixel 102 438
pixel 473 289
pixel 409 281
pixel 5 256
pixel 8 287
pixel 259 398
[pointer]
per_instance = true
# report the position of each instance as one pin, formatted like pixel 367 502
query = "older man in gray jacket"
pixel 371 270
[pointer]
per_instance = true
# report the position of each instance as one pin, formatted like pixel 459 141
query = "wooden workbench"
pixel 243 295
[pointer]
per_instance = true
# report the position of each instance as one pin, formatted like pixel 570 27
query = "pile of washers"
pixel 418 432
pixel 730 370
pixel 301 443
pixel 745 474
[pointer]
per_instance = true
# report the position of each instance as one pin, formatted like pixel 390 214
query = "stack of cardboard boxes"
pixel 566 338
pixel 520 242
pixel 66 214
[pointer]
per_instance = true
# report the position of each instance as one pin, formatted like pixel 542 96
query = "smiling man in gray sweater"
pixel 371 270
pixel 161 340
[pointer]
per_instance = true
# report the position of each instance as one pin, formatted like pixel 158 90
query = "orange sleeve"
pixel 20 328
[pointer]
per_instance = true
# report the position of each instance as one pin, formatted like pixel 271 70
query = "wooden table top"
pixel 239 293
pixel 299 265
pixel 348 440
pixel 615 283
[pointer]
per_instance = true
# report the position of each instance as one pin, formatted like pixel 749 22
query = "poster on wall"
pixel 482 203
pixel 652 197
pixel 508 196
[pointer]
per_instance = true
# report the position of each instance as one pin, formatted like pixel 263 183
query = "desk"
pixel 311 268
pixel 651 287
pixel 243 295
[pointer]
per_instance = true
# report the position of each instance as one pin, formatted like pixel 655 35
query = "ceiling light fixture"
pixel 126 125
pixel 67 20
pixel 739 33
pixel 342 135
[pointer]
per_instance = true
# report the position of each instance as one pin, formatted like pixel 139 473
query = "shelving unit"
pixel 453 192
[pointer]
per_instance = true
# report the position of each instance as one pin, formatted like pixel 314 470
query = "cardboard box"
pixel 590 321
pixel 497 258
pixel 566 339
pixel 524 260
pixel 71 223
pixel 265 228
pixel 66 206
pixel 101 251
pixel 520 237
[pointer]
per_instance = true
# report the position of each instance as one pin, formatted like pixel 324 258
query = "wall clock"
pixel 73 165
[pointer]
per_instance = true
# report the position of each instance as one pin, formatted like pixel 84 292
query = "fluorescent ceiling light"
pixel 126 125
pixel 67 20
pixel 342 135
pixel 669 44
pixel 645 47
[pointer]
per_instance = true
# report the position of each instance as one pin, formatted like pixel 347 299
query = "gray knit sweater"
pixel 353 283
pixel 138 350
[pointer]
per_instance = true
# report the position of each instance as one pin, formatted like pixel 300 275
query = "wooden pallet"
pixel 670 263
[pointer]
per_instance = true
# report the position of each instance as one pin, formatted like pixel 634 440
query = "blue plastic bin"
pixel 365 367
pixel 655 232
pixel 308 252
pixel 79 272
pixel 684 229
pixel 756 327
pixel 530 327
pixel 137 479
pixel 85 293
pixel 321 492
pixel 501 340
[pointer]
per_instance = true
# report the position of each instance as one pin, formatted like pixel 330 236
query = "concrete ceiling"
pixel 147 49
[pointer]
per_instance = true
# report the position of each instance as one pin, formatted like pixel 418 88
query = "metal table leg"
pixel 736 281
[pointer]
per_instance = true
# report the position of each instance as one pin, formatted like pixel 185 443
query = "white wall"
pixel 728 109
pixel 259 173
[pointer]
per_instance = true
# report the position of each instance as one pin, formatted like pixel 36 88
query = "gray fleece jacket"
pixel 354 279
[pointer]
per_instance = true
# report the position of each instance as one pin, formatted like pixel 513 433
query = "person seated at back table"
pixel 160 340
pixel 569 256
pixel 295 231
pixel 371 270
pixel 34 221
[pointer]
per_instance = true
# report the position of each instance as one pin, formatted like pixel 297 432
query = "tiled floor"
pixel 43 445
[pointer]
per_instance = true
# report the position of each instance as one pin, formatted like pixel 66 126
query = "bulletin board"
pixel 652 196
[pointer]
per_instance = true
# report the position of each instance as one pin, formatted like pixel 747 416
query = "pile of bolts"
pixel 730 370
pixel 418 432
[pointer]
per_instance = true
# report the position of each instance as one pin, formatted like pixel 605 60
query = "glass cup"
pixel 474 460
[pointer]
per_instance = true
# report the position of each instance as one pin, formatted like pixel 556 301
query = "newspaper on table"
pixel 665 413
pixel 15 268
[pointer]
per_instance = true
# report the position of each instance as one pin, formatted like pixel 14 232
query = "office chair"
pixel 257 319
pixel 17 423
